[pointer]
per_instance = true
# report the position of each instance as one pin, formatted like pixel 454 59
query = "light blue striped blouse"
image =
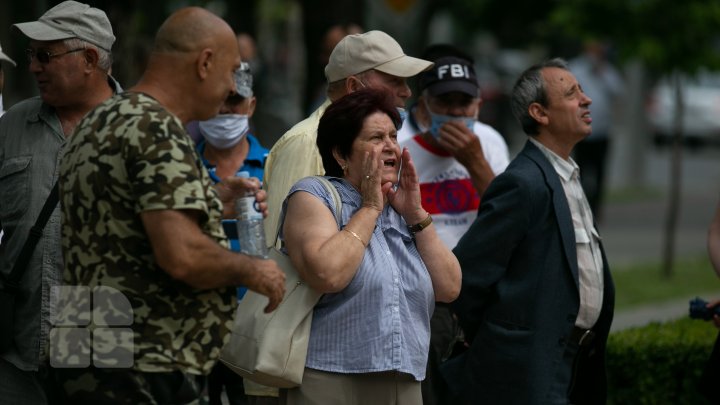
pixel 381 320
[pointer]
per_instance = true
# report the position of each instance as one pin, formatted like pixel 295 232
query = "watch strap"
pixel 420 225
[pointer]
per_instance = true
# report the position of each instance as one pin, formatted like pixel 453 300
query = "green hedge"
pixel 659 363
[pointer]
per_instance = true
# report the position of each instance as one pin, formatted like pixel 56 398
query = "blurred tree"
pixel 670 38
pixel 318 17
pixel 515 24
pixel 666 35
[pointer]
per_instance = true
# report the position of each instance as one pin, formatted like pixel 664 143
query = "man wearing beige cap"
pixel 3 58
pixel 69 55
pixel 373 59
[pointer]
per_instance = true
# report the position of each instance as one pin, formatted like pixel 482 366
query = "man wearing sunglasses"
pixel 69 56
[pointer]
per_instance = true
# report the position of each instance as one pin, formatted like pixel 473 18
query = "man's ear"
pixel 252 103
pixel 538 113
pixel 204 62
pixel 91 58
pixel 353 84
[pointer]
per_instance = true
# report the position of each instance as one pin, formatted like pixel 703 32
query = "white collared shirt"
pixel 587 239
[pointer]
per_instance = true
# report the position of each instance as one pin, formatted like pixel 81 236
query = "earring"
pixel 344 169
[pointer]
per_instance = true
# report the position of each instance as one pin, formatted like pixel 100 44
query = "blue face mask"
pixel 403 116
pixel 438 120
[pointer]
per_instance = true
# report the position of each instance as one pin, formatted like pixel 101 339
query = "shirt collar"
pixel 564 168
pixel 256 153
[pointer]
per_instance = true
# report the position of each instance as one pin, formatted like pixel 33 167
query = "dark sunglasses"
pixel 43 56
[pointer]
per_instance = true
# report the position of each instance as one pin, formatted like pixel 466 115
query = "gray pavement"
pixel 633 230
pixel 660 312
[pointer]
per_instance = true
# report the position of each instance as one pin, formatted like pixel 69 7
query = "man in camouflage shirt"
pixel 141 225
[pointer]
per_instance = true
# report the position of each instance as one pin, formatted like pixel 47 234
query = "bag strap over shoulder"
pixel 335 197
pixel 336 201
pixel 13 279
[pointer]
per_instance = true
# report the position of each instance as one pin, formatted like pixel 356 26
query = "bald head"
pixel 190 30
pixel 191 68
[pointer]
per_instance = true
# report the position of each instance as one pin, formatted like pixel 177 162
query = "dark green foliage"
pixel 666 35
pixel 659 363
pixel 516 24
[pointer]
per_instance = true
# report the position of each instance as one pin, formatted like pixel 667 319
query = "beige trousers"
pixel 383 388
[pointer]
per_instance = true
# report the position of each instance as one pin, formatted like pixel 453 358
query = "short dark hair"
pixel 343 120
pixel 530 88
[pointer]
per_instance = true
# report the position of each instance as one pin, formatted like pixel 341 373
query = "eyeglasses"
pixel 43 56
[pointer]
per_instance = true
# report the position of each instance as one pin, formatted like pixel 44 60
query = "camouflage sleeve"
pixel 162 166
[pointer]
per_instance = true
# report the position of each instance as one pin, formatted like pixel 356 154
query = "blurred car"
pixel 701 117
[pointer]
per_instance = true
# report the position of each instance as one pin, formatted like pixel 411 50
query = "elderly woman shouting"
pixel 380 274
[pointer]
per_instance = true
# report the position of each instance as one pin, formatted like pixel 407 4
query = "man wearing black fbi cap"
pixel 456 157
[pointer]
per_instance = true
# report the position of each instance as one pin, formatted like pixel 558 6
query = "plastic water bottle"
pixel 251 232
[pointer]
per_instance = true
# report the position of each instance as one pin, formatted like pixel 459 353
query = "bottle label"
pixel 247 209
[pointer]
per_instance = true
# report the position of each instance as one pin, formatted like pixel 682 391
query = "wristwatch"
pixel 420 225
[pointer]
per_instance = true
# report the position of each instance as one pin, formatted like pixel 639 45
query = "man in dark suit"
pixel 537 296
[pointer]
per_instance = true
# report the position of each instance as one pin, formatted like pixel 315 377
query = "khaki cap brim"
pixel 404 66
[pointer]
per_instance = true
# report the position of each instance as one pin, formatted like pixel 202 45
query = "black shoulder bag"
pixel 10 284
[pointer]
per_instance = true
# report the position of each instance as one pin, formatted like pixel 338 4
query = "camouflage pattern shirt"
pixel 130 155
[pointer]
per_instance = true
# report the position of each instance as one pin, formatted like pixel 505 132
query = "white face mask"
pixel 225 130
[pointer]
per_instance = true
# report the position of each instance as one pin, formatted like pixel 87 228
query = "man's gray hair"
pixel 336 89
pixel 104 57
pixel 530 88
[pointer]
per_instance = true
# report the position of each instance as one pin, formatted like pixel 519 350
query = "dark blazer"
pixel 520 295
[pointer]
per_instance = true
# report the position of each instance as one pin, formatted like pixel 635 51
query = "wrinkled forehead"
pixel 558 80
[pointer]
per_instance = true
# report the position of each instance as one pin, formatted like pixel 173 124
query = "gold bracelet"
pixel 355 236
